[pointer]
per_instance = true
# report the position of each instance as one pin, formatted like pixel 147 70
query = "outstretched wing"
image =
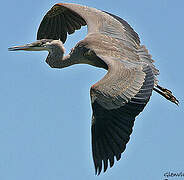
pixel 116 100
pixel 65 18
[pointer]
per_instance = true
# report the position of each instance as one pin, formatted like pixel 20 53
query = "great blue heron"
pixel 123 92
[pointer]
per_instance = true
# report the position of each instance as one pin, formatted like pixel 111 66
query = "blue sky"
pixel 45 114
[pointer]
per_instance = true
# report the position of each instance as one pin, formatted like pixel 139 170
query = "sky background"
pixel 45 114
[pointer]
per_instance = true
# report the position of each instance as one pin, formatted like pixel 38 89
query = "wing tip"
pixel 107 163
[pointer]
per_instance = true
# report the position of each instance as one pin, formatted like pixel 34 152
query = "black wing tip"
pixel 108 148
pixel 55 12
pixel 107 163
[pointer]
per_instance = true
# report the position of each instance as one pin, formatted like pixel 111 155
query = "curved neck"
pixel 57 60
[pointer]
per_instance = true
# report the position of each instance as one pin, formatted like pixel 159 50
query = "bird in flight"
pixel 123 92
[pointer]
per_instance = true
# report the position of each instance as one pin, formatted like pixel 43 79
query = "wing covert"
pixel 121 83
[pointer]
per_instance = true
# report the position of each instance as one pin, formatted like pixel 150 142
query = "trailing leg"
pixel 166 93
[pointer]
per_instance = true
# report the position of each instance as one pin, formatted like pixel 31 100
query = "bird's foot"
pixel 167 94
pixel 170 97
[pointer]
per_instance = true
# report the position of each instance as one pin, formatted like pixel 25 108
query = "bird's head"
pixel 41 45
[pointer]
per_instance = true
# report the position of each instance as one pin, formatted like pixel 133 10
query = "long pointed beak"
pixel 29 47
pixel 26 47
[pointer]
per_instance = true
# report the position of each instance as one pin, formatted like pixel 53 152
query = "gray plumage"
pixel 123 92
